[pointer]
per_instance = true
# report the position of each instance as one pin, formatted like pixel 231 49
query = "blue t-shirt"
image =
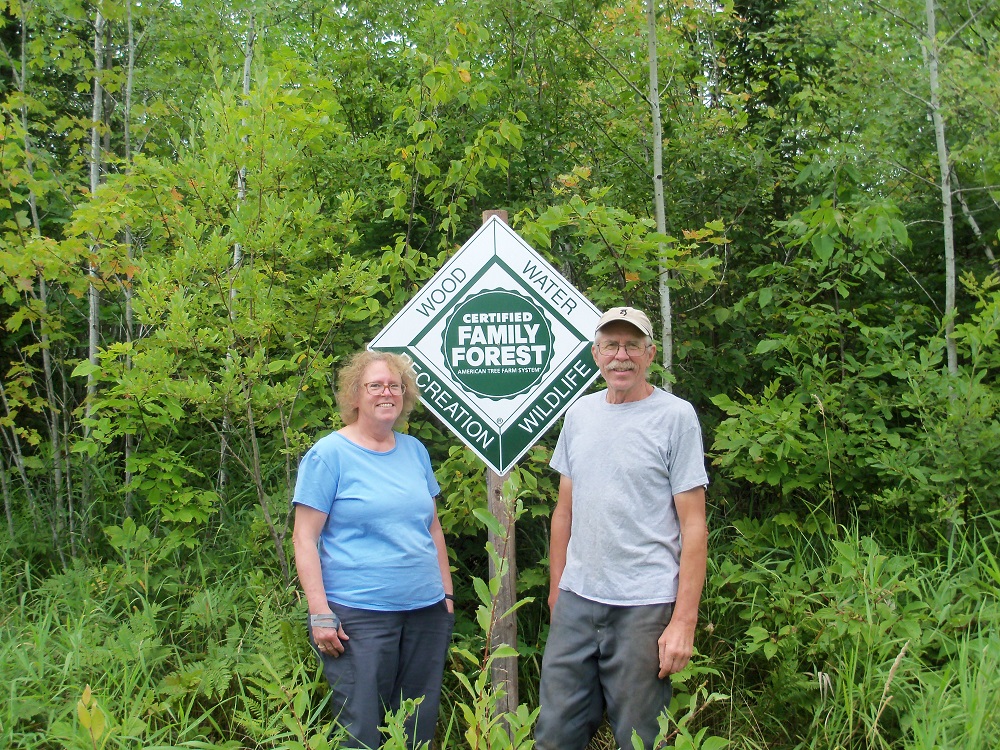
pixel 375 550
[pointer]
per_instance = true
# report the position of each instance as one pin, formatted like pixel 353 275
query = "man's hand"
pixel 677 642
pixel 676 645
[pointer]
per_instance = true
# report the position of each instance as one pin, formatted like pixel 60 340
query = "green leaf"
pixel 757 633
pixel 85 369
pixel 714 743
pixel 768 345
pixel 490 521
pixel 503 651
pixel 823 246
pixel 482 591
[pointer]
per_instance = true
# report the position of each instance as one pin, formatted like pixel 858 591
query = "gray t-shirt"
pixel 626 462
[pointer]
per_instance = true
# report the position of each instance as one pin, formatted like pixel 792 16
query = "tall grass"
pixel 158 652
pixel 812 636
pixel 958 706
pixel 829 638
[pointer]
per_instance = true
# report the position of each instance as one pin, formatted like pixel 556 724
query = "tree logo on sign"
pixel 497 344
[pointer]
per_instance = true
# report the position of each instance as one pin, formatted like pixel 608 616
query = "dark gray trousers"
pixel 389 657
pixel 601 658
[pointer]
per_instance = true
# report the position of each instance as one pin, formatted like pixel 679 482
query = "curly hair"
pixel 349 383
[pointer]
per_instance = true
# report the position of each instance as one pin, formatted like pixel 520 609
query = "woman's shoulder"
pixel 328 445
pixel 411 446
pixel 409 441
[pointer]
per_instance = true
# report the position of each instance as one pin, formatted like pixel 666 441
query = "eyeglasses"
pixel 377 389
pixel 610 348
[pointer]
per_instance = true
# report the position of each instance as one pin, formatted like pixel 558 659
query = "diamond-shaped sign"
pixel 500 343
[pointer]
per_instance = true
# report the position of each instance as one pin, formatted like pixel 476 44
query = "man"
pixel 628 548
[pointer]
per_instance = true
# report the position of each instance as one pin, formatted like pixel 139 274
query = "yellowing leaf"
pixel 97 719
pixel 83 715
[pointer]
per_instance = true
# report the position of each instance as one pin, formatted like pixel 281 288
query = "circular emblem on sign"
pixel 497 344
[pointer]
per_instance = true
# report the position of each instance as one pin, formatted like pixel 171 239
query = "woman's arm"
pixel 309 524
pixel 437 534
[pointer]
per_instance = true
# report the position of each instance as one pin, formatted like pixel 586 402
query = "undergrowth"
pixel 812 636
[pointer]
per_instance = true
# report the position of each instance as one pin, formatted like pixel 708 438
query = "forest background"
pixel 206 206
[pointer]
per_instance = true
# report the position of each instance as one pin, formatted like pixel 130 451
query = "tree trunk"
pixel 7 505
pixel 129 241
pixel 241 195
pixel 93 292
pixel 14 446
pixel 262 496
pixel 52 412
pixel 666 313
pixel 241 176
pixel 52 408
pixel 946 191
pixel 93 317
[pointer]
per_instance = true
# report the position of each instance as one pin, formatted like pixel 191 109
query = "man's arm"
pixel 562 522
pixel 677 642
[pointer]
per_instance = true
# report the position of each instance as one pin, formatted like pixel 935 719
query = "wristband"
pixel 450 597
pixel 326 620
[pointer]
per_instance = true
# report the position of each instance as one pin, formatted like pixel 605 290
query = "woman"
pixel 371 556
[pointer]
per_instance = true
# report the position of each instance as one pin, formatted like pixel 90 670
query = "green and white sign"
pixel 500 342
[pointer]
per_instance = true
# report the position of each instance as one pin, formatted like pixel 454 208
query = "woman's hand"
pixel 330 641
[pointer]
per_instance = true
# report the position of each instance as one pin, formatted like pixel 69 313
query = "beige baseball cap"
pixel 629 315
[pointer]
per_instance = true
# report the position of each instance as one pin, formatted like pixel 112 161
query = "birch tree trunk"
pixel 946 191
pixel 60 500
pixel 666 314
pixel 14 446
pixel 7 505
pixel 93 292
pixel 52 406
pixel 241 195
pixel 241 176
pixel 129 243
pixel 93 322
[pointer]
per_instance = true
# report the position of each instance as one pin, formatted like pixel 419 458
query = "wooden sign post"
pixel 503 673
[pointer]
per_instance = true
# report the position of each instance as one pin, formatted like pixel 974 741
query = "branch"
pixel 915 281
pixel 982 189
pixel 969 20
pixel 13 66
pixel 974 224
pixel 910 172
pixel 902 19
pixel 635 89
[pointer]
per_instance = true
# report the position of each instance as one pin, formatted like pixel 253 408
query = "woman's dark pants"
pixel 389 657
